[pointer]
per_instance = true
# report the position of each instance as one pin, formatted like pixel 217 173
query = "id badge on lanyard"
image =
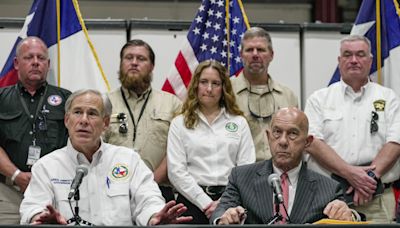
pixel 33 154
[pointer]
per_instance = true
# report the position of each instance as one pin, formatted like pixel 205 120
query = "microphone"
pixel 275 182
pixel 81 171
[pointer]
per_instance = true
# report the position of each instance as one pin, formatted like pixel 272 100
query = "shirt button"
pixel 30 132
pixel 32 100
pixel 31 116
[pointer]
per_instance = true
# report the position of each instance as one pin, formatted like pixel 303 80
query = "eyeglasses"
pixel 253 99
pixel 123 126
pixel 213 84
pixel 374 125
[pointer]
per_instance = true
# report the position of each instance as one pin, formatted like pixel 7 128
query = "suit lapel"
pixel 263 192
pixel 304 196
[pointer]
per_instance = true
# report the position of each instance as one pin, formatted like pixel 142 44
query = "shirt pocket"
pixel 114 136
pixel 117 204
pixel 11 124
pixel 160 122
pixel 55 123
pixel 378 137
pixel 332 121
pixel 154 143
pixel 56 134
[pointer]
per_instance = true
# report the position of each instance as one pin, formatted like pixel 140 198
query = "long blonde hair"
pixel 191 103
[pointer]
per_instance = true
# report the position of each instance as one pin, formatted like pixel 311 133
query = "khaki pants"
pixel 10 199
pixel 380 209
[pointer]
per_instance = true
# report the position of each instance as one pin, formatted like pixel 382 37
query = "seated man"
pixel 118 190
pixel 308 197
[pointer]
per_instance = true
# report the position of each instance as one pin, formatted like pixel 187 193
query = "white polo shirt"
pixel 342 118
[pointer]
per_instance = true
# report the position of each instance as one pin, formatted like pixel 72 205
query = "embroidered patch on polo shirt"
pixel 232 127
pixel 119 171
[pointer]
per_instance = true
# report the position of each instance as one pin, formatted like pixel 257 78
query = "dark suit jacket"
pixel 248 187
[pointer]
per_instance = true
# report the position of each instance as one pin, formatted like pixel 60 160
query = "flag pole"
pixel 58 43
pixel 378 41
pixel 227 26
pixel 79 15
pixel 246 20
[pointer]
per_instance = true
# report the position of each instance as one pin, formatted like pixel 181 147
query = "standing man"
pixel 308 196
pixel 356 125
pixel 142 115
pixel 31 124
pixel 257 94
pixel 118 189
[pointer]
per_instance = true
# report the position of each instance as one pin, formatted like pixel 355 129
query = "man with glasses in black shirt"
pixel 257 94
pixel 356 126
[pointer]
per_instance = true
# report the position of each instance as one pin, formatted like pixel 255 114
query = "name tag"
pixel 33 154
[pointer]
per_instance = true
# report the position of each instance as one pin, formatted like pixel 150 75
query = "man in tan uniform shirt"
pixel 257 94
pixel 141 115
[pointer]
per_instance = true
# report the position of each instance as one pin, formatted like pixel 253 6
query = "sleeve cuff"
pixel 355 216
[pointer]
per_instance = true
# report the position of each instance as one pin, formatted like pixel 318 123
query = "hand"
pixel 170 214
pixel 359 199
pixel 233 215
pixel 358 178
pixel 49 216
pixel 22 180
pixel 338 210
pixel 210 208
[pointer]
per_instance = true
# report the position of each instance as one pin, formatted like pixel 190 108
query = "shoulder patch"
pixel 379 105
pixel 54 100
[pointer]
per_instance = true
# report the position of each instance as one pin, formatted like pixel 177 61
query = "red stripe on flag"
pixel 167 87
pixel 8 79
pixel 183 69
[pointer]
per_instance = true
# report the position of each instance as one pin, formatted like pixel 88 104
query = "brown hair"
pixel 191 103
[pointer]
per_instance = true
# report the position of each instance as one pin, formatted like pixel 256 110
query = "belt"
pixel 213 190
pixel 387 185
pixel 6 180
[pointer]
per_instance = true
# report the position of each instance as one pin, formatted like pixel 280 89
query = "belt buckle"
pixel 209 192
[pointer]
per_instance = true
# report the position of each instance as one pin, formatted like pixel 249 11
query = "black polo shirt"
pixel 16 124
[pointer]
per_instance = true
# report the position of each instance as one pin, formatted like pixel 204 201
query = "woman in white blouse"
pixel 207 139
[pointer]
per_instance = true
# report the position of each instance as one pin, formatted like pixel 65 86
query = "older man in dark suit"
pixel 308 196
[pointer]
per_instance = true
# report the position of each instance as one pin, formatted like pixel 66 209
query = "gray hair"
pixel 256 32
pixel 352 38
pixel 107 106
pixel 18 48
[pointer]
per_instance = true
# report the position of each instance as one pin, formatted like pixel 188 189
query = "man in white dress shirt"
pixel 356 125
pixel 119 189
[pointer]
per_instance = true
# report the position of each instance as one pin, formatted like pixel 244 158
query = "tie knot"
pixel 284 176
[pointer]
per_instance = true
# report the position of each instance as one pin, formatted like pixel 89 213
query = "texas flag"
pixel 379 21
pixel 73 61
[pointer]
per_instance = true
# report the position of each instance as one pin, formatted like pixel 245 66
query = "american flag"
pixel 215 33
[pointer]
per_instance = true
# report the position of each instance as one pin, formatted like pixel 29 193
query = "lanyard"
pixel 131 114
pixel 30 118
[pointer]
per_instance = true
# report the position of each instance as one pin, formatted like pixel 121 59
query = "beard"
pixel 137 84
